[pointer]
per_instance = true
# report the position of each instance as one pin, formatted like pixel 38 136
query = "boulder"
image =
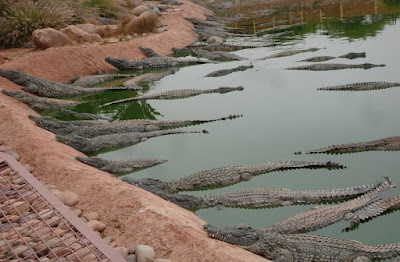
pixel 68 198
pixel 107 30
pixel 214 40
pixel 139 10
pixel 49 37
pixel 88 28
pixel 91 215
pixel 144 253
pixel 145 14
pixel 136 3
pixel 79 36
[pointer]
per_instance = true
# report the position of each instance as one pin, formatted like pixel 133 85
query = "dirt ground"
pixel 132 215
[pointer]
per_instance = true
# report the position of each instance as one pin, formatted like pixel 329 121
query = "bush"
pixel 20 18
pixel 106 8
pixel 147 24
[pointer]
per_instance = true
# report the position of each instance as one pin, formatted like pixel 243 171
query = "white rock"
pixel 68 198
pixel 144 253
pixel 96 225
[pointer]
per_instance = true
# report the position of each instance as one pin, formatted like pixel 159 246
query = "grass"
pixel 147 24
pixel 107 8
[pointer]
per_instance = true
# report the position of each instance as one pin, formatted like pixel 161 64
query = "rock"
pixel 107 30
pixel 3 58
pixel 28 167
pixel 50 187
pixel 45 259
pixel 162 29
pixel 20 249
pixel 80 36
pixel 109 239
pixel 68 198
pixel 96 225
pixel 49 37
pixel 131 258
pixel 144 34
pixel 56 192
pixel 113 244
pixel 84 219
pixel 77 212
pixel 88 28
pixel 13 154
pixel 214 40
pixel 162 260
pixel 91 216
pixel 136 3
pixel 123 251
pixel 5 148
pixel 132 249
pixel 139 10
pixel 144 253
pixel 145 14
pixel 20 206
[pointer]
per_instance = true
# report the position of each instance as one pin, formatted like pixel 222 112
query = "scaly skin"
pixel 148 52
pixel 318 59
pixel 364 86
pixel 385 144
pixel 216 55
pixel 225 72
pixel 375 209
pixel 177 94
pixel 289 53
pixel 91 145
pixel 40 103
pixel 321 217
pixel 353 55
pixel 87 81
pixel 150 77
pixel 154 62
pixel 279 28
pixel 47 88
pixel 120 167
pixel 327 67
pixel 91 129
pixel 300 247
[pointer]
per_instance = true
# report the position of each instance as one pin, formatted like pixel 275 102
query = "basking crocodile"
pixel 82 116
pixel 385 144
pixel 155 62
pixel 148 52
pixel 323 216
pixel 120 167
pixel 327 67
pixel 375 209
pixel 225 72
pixel 91 145
pixel 289 53
pixel 47 88
pixel 353 55
pixel 262 197
pixel 363 86
pixel 90 129
pixel 149 77
pixel 327 58
pixel 226 176
pixel 300 247
pixel 278 28
pixel 177 94
pixel 216 55
pixel 40 103
pixel 87 81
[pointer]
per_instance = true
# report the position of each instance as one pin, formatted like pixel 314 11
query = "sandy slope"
pixel 132 215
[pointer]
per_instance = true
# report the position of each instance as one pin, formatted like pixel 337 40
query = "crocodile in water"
pixel 289 53
pixel 327 67
pixel 47 88
pixel 225 72
pixel 149 77
pixel 87 81
pixel 154 62
pixel 120 167
pixel 323 216
pixel 177 94
pixel 385 144
pixel 105 142
pixel 300 247
pixel 327 58
pixel 363 86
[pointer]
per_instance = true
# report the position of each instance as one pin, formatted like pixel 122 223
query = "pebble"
pixel 144 253
pixel 20 249
pixel 5 148
pixel 132 249
pixel 131 258
pixel 123 251
pixel 68 198
pixel 28 167
pixel 96 225
pixel 13 154
pixel 162 260
pixel 77 212
pixel 91 216
pixel 109 239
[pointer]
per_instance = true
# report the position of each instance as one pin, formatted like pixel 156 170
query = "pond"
pixel 283 113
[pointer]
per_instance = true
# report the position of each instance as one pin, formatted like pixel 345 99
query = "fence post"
pixel 320 16
pixel 290 17
pixel 341 10
pixel 254 27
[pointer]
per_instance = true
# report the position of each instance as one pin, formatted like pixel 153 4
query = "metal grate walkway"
pixel 36 226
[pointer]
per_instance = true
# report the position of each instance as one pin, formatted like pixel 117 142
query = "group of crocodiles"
pixel 281 241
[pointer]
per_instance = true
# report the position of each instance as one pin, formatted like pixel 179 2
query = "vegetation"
pixel 107 8
pixel 146 24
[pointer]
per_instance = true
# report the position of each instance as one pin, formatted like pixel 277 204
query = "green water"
pixel 283 113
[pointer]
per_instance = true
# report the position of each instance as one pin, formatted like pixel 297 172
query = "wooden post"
pixel 302 16
pixel 254 27
pixel 273 21
pixel 290 17
pixel 320 16
pixel 341 10
pixel 376 6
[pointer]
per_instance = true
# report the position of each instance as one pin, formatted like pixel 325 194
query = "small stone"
pixel 5 148
pixel 144 253
pixel 49 37
pixel 214 40
pixel 109 239
pixel 113 244
pixel 91 216
pixel 56 192
pixel 162 260
pixel 50 187
pixel 139 10
pixel 84 219
pixel 96 225
pixel 144 34
pixel 77 212
pixel 45 259
pixel 132 249
pixel 20 249
pixel 13 154
pixel 68 198
pixel 123 251
pixel 28 167
pixel 131 258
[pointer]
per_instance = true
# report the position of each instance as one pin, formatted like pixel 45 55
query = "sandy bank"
pixel 131 214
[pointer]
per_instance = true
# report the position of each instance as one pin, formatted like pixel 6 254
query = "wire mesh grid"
pixel 36 226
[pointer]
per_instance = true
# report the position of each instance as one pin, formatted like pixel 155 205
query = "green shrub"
pixel 20 18
pixel 107 8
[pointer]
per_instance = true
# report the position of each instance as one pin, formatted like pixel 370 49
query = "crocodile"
pixel 363 86
pixel 385 144
pixel 105 142
pixel 278 28
pixel 149 77
pixel 300 247
pixel 353 55
pixel 88 81
pixel 262 197
pixel 226 176
pixel 318 59
pixel 91 129
pixel 40 103
pixel 375 209
pixel 82 116
pixel 289 53
pixel 216 55
pixel 323 216
pixel 225 72
pixel 52 89
pixel 148 52
pixel 155 62
pixel 177 94
pixel 327 67
pixel 119 167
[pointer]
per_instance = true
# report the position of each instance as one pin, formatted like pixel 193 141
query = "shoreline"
pixel 132 215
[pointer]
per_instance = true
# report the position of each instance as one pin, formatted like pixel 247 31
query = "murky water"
pixel 283 113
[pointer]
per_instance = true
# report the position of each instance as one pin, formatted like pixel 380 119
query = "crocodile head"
pixel 225 89
pixel 368 65
pixel 13 75
pixel 53 125
pixel 154 186
pixel 75 141
pixel 243 236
